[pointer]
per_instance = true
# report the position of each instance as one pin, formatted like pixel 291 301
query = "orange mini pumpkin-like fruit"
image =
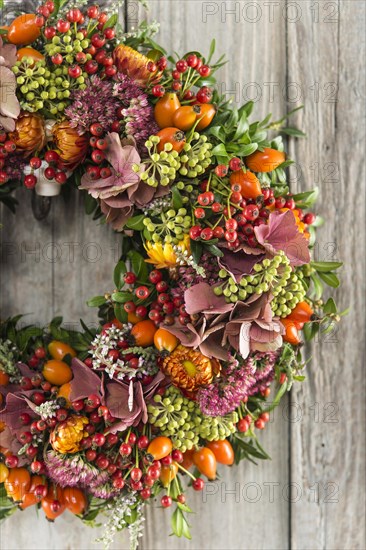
pixel 223 451
pixel 143 333
pixel 53 504
pixel 58 350
pixel 165 108
pixel 23 30
pixel 4 378
pixel 160 447
pixel 250 187
pixel 291 332
pixel 75 500
pixel 171 135
pixel 205 461
pixel 185 117
pixel 17 483
pixel 168 473
pixel 57 372
pixel 165 340
pixel 30 53
pixel 265 161
pixel 208 111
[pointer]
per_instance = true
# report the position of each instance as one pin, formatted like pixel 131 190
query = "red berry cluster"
pixel 99 41
pixel 155 300
pixel 231 217
pixel 54 171
pixel 7 147
pixel 183 77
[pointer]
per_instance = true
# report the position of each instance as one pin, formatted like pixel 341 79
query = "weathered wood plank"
pixel 328 444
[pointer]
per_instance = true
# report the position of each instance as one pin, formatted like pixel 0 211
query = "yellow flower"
pixel 134 64
pixel 67 436
pixel 163 254
pixel 188 368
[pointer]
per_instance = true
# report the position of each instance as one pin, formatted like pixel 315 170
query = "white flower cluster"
pixel 119 368
pixel 121 508
pixel 47 409
pixel 183 258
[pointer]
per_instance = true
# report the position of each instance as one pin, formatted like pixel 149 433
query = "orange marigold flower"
pixel 134 64
pixel 71 146
pixel 29 134
pixel 66 437
pixel 189 369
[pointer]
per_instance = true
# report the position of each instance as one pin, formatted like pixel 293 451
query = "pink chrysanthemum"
pixel 95 104
pixel 104 490
pixel 72 471
pixel 237 382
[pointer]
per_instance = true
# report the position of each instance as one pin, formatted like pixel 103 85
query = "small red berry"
pixel 235 164
pixel 259 424
pixel 30 181
pixel 142 292
pixel 145 493
pixel 195 232
pixel 221 170
pixel 181 66
pixel 309 218
pixel 207 234
pixel 192 60
pixel 129 278
pixel 290 203
pixel 199 213
pixel 125 449
pixel 198 484
pixel 242 425
pixel 158 91
pixel 251 212
pixel 166 501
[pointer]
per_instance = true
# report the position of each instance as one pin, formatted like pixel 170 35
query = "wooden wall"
pixel 311 494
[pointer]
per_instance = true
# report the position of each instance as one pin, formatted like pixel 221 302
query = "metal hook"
pixel 40 206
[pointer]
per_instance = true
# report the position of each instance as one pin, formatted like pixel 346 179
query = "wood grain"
pixel 328 448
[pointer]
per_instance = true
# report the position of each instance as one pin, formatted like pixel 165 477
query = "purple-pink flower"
pixel 282 233
pixel 123 189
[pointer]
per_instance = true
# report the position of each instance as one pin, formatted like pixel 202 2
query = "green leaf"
pixel 330 279
pixel 177 198
pixel 214 250
pixel 136 223
pixel 118 273
pixel 212 51
pixel 220 150
pixel 139 266
pixel 196 249
pixel 242 127
pixel 120 313
pixel 306 199
pixel 318 286
pixel 247 150
pixel 295 132
pixel 96 301
pixel 122 297
pixel 325 267
pixel 112 21
pixel 310 330
pixel 330 306
pixel 179 524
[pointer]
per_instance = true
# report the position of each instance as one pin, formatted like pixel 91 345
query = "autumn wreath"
pixel 215 291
